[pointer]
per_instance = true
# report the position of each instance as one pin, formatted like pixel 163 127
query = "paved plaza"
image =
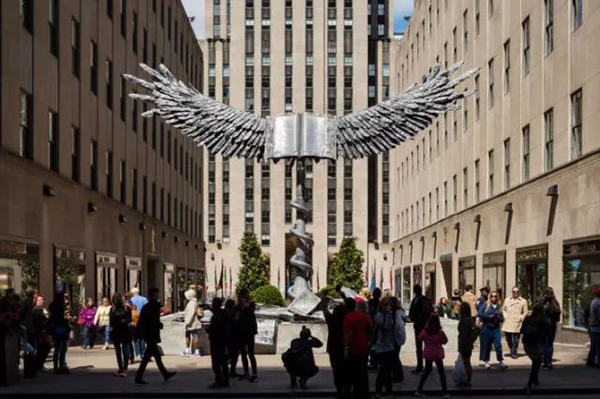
pixel 92 377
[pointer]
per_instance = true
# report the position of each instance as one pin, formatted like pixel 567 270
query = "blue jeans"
pixel 106 332
pixel 122 353
pixel 549 346
pixel 140 347
pixel 594 355
pixel 489 337
pixel 89 336
pixel 60 354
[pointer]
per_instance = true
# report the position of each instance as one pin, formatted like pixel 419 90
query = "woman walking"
pixel 102 320
pixel 552 313
pixel 400 335
pixel 192 325
pixel 434 339
pixel 248 329
pixel 535 330
pixel 384 346
pixel 120 324
pixel 60 328
pixel 490 314
pixel 467 335
pixel 86 321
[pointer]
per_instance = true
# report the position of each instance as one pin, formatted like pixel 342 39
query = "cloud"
pixel 195 8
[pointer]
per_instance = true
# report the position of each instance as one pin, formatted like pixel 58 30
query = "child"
pixel 299 360
pixel 434 338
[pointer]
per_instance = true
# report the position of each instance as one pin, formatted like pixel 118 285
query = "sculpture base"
pixel 305 303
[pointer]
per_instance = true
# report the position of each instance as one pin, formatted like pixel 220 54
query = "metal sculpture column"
pixel 304 242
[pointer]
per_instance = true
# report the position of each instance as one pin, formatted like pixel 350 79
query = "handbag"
pixel 459 374
pixel 81 321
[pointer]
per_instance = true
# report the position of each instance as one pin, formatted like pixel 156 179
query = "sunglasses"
pixel 493 296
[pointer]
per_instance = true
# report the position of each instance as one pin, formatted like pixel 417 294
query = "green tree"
pixel 346 268
pixel 268 295
pixel 255 270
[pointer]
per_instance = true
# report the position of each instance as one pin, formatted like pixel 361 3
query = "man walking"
pixel 139 301
pixel 335 344
pixel 357 332
pixel 148 328
pixel 420 309
pixel 515 309
pixel 218 333
pixel 593 359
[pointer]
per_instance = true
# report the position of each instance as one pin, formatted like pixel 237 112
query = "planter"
pixel 9 359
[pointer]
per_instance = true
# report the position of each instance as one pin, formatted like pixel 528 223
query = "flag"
pixel 318 283
pixel 220 285
pixel 373 277
pixel 391 280
pixel 279 278
pixel 230 281
pixel 225 281
pixel 367 274
pixel 381 278
pixel 215 278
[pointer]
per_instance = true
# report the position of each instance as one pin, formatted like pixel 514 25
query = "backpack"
pixel 292 357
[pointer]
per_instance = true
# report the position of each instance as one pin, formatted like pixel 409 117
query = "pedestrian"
pixel 233 338
pixel 37 323
pixel 467 335
pixel 515 309
pixel 483 297
pixel 455 302
pixel 357 333
pixel 400 335
pixel 490 315
pixel 469 298
pixel 373 307
pixel 192 325
pixel 335 344
pixel 299 359
pixel 248 330
pixel 552 312
pixel 420 309
pixel 138 300
pixel 86 321
pixel 102 320
pixel 120 323
pixel 434 338
pixel 131 308
pixel 443 308
pixel 27 304
pixel 148 328
pixel 535 329
pixel 218 333
pixel 385 346
pixel 593 359
pixel 60 329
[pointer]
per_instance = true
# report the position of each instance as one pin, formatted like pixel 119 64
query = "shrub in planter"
pixel 330 292
pixel 268 295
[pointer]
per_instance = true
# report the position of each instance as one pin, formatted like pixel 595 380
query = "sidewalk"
pixel 92 377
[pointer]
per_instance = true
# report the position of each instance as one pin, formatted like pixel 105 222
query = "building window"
pixel 526 150
pixel 476 181
pixel 26 125
pixel 455 193
pixel 53 141
pixel 576 124
pixel 134 34
pixel 75 53
pixel 465 31
pixel 109 174
pixel 124 18
pixel 144 194
pixel 53 25
pixel 490 8
pixel 549 140
pixel 123 182
pixel 477 99
pixel 506 66
pixel 477 20
pixel 123 99
pixel 109 8
pixel 506 164
pixel 94 165
pixel 93 67
pixel 445 198
pixel 109 84
pixel 548 26
pixel 75 148
pixel 526 47
pixel 26 12
pixel 577 13
pixel 134 188
pixel 491 83
pixel 465 188
pixel 490 173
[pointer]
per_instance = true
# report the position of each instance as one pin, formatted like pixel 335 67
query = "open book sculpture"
pixel 303 137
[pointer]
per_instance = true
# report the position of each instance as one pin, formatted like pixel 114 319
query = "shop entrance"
pixel 532 272
pixel 69 273
pixel 446 283
pixel 19 266
pixel 429 289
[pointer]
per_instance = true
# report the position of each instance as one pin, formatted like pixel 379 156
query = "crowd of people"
pixel 363 333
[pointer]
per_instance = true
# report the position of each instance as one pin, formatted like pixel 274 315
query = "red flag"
pixel 220 284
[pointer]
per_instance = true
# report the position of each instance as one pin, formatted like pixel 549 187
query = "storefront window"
pixel 169 283
pixel 181 288
pixel 417 275
pixel 407 289
pixel 466 272
pixel 19 266
pixel 429 284
pixel 69 274
pixel 106 276
pixel 494 272
pixel 133 273
pixel 532 273
pixel 398 283
pixel 446 283
pixel 581 277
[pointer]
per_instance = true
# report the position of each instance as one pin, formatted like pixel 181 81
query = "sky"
pixel 195 8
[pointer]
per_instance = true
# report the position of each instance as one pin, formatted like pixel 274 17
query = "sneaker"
pixel 197 353
pixel 124 373
pixel 482 363
pixel 117 373
pixel 254 378
pixel 186 353
pixel 514 356
pixel 301 382
pixel 487 365
pixel 169 375
pixel 503 366
pixel 244 377
pixel 84 347
pixel 105 347
pixel 549 366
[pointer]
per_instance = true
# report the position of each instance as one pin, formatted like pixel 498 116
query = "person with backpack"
pixel 218 333
pixel 299 360
pixel 385 346
pixel 335 344
pixel 434 338
pixel 120 324
pixel 467 335
pixel 490 314
pixel 552 312
pixel 535 329
pixel 420 309
pixel 400 339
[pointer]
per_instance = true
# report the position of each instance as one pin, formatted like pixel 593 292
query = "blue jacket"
pixel 490 317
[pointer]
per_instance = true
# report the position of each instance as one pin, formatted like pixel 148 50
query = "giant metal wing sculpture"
pixel 234 133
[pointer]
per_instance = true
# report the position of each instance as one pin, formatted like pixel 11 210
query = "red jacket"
pixel 434 345
pixel 357 326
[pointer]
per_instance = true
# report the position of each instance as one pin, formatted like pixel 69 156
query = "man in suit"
pixel 218 333
pixel 148 328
